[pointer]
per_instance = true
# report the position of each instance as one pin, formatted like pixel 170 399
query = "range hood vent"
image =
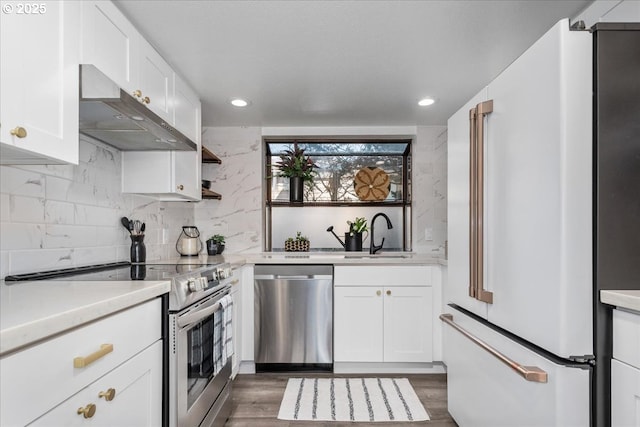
pixel 111 115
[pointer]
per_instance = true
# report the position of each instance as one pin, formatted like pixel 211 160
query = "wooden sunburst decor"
pixel 372 184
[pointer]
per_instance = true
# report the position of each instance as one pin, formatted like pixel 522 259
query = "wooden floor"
pixel 256 401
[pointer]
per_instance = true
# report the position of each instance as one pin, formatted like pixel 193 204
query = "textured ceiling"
pixel 341 63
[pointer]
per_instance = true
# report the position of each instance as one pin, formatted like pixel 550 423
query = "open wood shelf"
pixel 209 157
pixel 208 194
pixel 284 203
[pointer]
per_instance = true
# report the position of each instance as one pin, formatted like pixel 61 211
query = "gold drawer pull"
pixel 388 292
pixel 20 132
pixel 146 100
pixel 378 293
pixel 137 93
pixel 81 362
pixel 108 395
pixel 88 411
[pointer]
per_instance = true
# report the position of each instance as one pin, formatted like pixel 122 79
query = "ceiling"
pixel 341 63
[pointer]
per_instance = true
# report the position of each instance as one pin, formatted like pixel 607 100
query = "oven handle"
pixel 201 313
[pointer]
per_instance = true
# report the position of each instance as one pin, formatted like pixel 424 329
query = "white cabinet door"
pixel 156 82
pixel 537 189
pixel 165 175
pixel 408 318
pixel 137 398
pixel 111 43
pixel 457 290
pixel 625 395
pixel 188 110
pixel 39 83
pixel 358 330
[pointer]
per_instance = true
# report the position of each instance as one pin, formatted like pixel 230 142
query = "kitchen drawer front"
pixel 625 395
pixel 137 386
pixel 626 337
pixel 38 378
pixel 484 392
pixel 383 275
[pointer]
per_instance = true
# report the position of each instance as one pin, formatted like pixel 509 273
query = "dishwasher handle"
pixel 293 277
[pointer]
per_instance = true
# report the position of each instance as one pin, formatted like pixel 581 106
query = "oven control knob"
pixel 221 274
pixel 192 285
pixel 203 282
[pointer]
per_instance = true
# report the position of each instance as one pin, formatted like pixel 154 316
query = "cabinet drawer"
pixel 419 275
pixel 625 395
pixel 626 337
pixel 137 388
pixel 38 378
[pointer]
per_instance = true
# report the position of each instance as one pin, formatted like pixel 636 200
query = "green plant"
pixel 299 238
pixel 218 238
pixel 293 163
pixel 359 225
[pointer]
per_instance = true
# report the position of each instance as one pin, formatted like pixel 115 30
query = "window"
pixel 338 163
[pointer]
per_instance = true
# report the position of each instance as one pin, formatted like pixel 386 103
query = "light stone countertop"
pixel 335 258
pixel 622 299
pixel 34 310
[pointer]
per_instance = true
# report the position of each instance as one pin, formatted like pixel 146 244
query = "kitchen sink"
pixel 377 256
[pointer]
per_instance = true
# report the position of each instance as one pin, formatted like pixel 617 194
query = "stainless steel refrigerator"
pixel 543 213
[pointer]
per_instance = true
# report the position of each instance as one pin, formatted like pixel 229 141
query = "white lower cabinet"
pixel 236 295
pixel 130 395
pixel 48 383
pixel 378 318
pixel 625 370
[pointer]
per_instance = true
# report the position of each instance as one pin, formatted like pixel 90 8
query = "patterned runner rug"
pixel 351 399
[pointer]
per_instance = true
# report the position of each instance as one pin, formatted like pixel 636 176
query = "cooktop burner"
pixel 116 271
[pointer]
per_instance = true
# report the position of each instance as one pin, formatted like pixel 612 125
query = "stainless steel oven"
pixel 199 368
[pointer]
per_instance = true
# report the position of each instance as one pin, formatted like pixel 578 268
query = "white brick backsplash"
pixel 59 212
pixel 44 259
pixel 21 182
pixel 26 209
pixel 21 236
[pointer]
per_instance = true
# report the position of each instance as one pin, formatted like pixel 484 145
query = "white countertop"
pixel 335 258
pixel 31 311
pixel 622 299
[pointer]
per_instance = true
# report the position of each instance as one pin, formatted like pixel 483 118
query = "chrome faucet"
pixel 373 248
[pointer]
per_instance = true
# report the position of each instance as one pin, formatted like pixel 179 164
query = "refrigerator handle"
pixel 529 373
pixel 473 207
pixel 477 201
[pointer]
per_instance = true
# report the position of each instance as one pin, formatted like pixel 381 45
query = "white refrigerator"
pixel 519 340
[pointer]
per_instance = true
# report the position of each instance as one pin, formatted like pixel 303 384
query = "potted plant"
pixel 298 244
pixel 353 238
pixel 293 164
pixel 215 244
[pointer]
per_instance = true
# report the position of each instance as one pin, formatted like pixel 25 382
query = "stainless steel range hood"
pixel 109 114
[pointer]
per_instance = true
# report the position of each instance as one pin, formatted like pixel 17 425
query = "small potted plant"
pixel 215 244
pixel 293 164
pixel 298 244
pixel 353 238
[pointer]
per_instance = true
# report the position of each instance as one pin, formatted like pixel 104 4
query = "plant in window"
pixel 293 163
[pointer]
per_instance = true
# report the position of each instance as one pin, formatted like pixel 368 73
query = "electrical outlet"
pixel 428 234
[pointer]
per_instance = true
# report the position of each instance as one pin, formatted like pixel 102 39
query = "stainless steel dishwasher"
pixel 293 321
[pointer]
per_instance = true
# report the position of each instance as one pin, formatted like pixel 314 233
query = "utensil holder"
pixel 138 250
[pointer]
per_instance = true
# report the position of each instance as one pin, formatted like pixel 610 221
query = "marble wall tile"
pixel 57 216
pixel 238 216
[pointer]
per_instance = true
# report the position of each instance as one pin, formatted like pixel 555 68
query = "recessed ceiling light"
pixel 426 101
pixel 239 102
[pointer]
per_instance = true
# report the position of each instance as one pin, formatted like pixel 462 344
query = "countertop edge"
pixel 28 333
pixel 627 299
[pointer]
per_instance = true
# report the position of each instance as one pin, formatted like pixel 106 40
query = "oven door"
pixel 197 372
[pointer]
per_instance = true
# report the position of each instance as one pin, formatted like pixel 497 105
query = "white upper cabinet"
pixel 39 83
pixel 111 43
pixel 115 47
pixel 187 110
pixel 156 84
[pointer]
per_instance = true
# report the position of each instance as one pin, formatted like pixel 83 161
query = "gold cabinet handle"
pixel 388 292
pixel 19 131
pixel 88 411
pixel 146 100
pixel 378 293
pixel 81 362
pixel 137 93
pixel 180 187
pixel 108 395
pixel 235 282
